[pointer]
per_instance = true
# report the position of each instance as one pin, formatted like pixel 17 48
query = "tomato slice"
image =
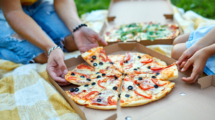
pixel 130 66
pixel 147 61
pixel 148 97
pixel 83 66
pixel 137 72
pixel 128 57
pixel 161 68
pixel 102 71
pixel 121 62
pixel 111 102
pixel 91 93
pixel 173 27
pixel 148 87
pixel 127 79
pixel 155 81
pixel 121 101
pixel 72 78
pixel 99 83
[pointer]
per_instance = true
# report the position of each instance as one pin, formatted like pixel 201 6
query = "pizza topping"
pixel 115 77
pixel 99 100
pixel 72 74
pixel 103 74
pixel 88 79
pixel 97 72
pixel 98 76
pixel 138 57
pixel 155 86
pixel 94 64
pixel 99 83
pixel 86 85
pixel 148 97
pixel 149 67
pixel 110 101
pixel 156 82
pixel 147 61
pixel 91 93
pixel 127 95
pixel 82 76
pixel 100 63
pixel 115 88
pixel 94 57
pixel 83 66
pixel 91 61
pixel 153 76
pixel 157 73
pixel 72 89
pixel 126 74
pixel 76 89
pixel 135 69
pixel 130 87
pixel 140 78
pixel 146 88
pixel 111 63
pixel 93 83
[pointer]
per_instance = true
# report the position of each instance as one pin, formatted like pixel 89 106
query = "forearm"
pixel 26 27
pixel 207 40
pixel 209 50
pixel 67 11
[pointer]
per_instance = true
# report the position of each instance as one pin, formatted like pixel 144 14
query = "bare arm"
pixel 24 25
pixel 67 11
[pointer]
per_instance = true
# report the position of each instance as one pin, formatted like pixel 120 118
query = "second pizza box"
pixel 135 11
pixel 184 102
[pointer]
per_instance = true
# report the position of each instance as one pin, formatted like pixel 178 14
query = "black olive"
pixel 111 63
pixel 138 57
pixel 94 64
pixel 155 86
pixel 127 95
pixel 94 57
pixel 122 73
pixel 153 76
pixel 98 76
pixel 72 74
pixel 99 93
pixel 99 100
pixel 103 74
pixel 140 78
pixel 115 88
pixel 91 61
pixel 100 63
pixel 88 79
pixel 135 69
pixel 93 83
pixel 149 67
pixel 76 89
pixel 82 76
pixel 126 61
pixel 119 95
pixel 86 85
pixel 157 73
pixel 126 74
pixel 97 72
pixel 115 77
pixel 130 87
pixel 72 89
pixel 138 67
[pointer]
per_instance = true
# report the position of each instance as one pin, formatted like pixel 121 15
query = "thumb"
pixel 62 66
pixel 101 40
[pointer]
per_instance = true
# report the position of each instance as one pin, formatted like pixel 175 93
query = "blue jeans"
pixel 22 51
pixel 196 36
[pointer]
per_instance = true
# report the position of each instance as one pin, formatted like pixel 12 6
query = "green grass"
pixel 206 8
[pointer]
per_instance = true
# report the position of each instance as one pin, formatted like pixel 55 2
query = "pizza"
pixel 141 31
pixel 134 79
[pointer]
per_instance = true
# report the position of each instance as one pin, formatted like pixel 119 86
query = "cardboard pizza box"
pixel 184 102
pixel 134 11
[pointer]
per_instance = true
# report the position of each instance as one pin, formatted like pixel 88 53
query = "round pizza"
pixel 141 31
pixel 134 78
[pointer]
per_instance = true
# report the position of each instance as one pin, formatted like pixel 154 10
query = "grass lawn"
pixel 205 8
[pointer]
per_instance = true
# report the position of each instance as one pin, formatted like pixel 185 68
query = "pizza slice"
pixel 136 93
pixel 81 75
pixel 108 97
pixel 97 58
pixel 117 61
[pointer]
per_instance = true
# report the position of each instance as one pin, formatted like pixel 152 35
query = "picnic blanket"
pixel 26 92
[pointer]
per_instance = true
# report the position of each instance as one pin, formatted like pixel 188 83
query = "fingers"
pixel 63 84
pixel 182 64
pixel 187 65
pixel 181 59
pixel 194 75
pixel 101 40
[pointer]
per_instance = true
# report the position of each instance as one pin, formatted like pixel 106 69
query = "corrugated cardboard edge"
pixel 207 81
pixel 113 117
pixel 70 101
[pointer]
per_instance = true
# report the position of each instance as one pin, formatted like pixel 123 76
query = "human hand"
pixel 86 38
pixel 198 61
pixel 56 67
pixel 186 55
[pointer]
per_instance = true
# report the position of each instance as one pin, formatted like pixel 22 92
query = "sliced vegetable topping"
pixel 110 101
pixel 148 97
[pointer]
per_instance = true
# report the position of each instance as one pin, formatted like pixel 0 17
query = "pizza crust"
pixel 112 107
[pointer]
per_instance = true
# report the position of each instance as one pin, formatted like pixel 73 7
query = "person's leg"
pixel 49 21
pixel 181 39
pixel 177 50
